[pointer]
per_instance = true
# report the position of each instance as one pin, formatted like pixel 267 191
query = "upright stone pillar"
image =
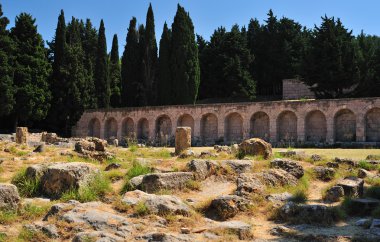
pixel 182 139
pixel 21 135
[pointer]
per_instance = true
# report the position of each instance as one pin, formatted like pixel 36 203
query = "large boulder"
pixel 21 135
pixel 100 144
pixel 202 168
pixel 243 230
pixel 50 138
pixel 182 139
pixel 84 145
pixel 288 165
pixel 248 183
pixel 172 180
pixel 346 161
pixel 352 186
pixel 256 146
pixel 157 204
pixel 238 166
pixel 9 197
pixel 56 178
pixel 334 194
pixel 324 173
pixel 227 206
pixel 278 177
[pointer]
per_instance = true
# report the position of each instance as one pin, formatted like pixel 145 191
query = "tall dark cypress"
pixel 31 71
pixel 6 71
pixel 164 80
pixel 115 74
pixel 149 58
pixel 130 66
pixel 184 59
pixel 102 85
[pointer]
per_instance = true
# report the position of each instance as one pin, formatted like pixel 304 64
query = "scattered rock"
pixel 39 149
pixel 206 154
pixel 227 206
pixel 248 183
pixel 362 173
pixel 332 164
pixel 9 197
pixel 50 230
pixel 165 237
pixel 186 154
pixel 224 148
pixel 157 204
pixel 50 138
pixel 202 168
pixel 279 197
pixel 98 236
pixel 315 157
pixel 364 222
pixel 352 186
pixel 324 173
pixel 239 166
pixel 291 153
pixel 182 139
pixel 21 135
pixel 346 161
pixel 364 206
pixel 281 231
pixel 155 182
pixel 290 166
pixel 373 157
pixel 185 231
pixel 256 146
pixel 278 177
pixel 375 227
pixel 334 194
pixel 112 166
pixel 243 230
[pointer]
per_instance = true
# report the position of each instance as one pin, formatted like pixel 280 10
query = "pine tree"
pixel 102 84
pixel 184 59
pixel 130 66
pixel 6 71
pixel 331 64
pixel 149 58
pixel 164 80
pixel 31 71
pixel 115 74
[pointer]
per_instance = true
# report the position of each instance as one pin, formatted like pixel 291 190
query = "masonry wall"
pixel 316 121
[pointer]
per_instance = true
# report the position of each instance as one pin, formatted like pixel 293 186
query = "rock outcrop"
pixel 155 182
pixel 227 206
pixel 256 146
pixel 9 197
pixel 288 165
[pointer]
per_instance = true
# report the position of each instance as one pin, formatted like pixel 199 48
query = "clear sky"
pixel 207 15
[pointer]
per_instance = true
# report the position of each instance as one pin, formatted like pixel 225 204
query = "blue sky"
pixel 207 15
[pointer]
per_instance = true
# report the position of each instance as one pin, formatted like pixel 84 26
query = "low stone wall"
pixel 308 121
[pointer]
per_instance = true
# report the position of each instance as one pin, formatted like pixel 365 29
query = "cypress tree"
pixel 149 58
pixel 164 80
pixel 31 71
pixel 115 74
pixel 6 73
pixel 184 59
pixel 130 66
pixel 102 85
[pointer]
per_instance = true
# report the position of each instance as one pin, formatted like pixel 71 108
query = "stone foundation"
pixel 286 122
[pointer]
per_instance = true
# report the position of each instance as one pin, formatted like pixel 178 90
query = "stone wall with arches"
pixel 307 121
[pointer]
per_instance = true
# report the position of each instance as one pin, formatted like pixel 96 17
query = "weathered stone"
pixel 21 135
pixel 373 157
pixel 9 197
pixel 281 230
pixel 362 173
pixel 278 177
pixel 227 206
pixel 207 154
pixel 98 236
pixel 243 230
pixel 186 154
pixel 34 172
pixel 375 227
pixel 364 206
pixel 279 197
pixel 136 181
pixel 50 230
pixel 364 222
pixel 165 237
pixel 346 161
pixel 290 166
pixel 334 194
pixel 58 207
pixel 155 182
pixel 306 213
pixel 40 148
pixel 352 186
pixel 224 148
pixel 324 173
pixel 185 230
pixel 182 139
pixel 238 166
pixel 256 146
pixel 157 204
pixel 291 153
pixel 248 183
pixel 60 177
pixel 332 164
pixel 83 145
pixel 50 138
pixel 315 157
pixel 202 168
pixel 112 166
pixel 100 144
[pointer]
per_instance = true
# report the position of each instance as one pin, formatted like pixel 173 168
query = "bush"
pixel 141 209
pixel 27 187
pixel 240 154
pixel 138 169
pixel 373 192
pixel 94 190
pixel 299 196
pixel 8 216
pixel 367 166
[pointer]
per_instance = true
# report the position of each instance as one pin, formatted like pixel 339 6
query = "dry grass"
pixel 356 154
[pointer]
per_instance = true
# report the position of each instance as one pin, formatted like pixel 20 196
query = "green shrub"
pixel 3 237
pixel 27 187
pixel 7 216
pixel 138 169
pixel 28 235
pixel 94 190
pixel 240 154
pixel 367 166
pixel 299 196
pixel 141 209
pixel 373 192
pixel 32 211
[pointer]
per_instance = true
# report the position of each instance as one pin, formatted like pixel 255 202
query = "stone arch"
pixel 345 126
pixel 186 120
pixel 287 126
pixel 110 128
pixel 260 126
pixel 209 128
pixel 143 129
pixel 94 128
pixel 315 126
pixel 233 128
pixel 128 128
pixel 372 125
pixel 163 126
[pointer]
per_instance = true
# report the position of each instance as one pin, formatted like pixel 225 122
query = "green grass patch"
pixel 114 175
pixel 96 188
pixel 193 185
pixel 299 196
pixel 373 181
pixel 3 237
pixel 8 216
pixel 373 192
pixel 367 166
pixel 27 187
pixel 141 209
pixel 28 235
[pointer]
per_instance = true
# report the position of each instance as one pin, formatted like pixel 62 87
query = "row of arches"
pixel 286 123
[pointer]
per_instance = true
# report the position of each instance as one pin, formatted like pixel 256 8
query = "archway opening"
pixel 143 129
pixel 372 125
pixel 260 126
pixel 233 126
pixel 315 127
pixel 110 128
pixel 186 120
pixel 209 129
pixel 345 126
pixel 128 130
pixel 94 128
pixel 287 126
